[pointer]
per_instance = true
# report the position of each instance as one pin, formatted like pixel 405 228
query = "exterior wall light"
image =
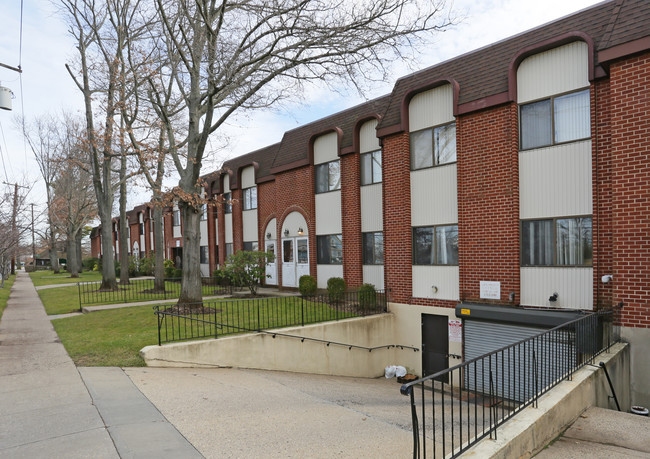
pixel 286 232
pixel 300 231
pixel 268 235
pixel 553 298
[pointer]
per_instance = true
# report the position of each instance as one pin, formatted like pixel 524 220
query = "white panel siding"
pixel 434 196
pixel 324 272
pixel 216 232
pixel 272 228
pixel 328 213
pixel 445 278
pixel 203 228
pixel 248 177
pixel 176 231
pixel 374 274
pixel 249 221
pixel 368 140
pixel 555 181
pixel 205 270
pixel 371 208
pixel 228 219
pixel 558 70
pixel 431 108
pixel 226 183
pixel 574 287
pixel 326 148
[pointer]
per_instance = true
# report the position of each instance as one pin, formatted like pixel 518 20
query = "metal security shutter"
pixel 514 376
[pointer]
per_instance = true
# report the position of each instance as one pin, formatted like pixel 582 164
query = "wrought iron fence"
pixel 459 406
pixel 211 319
pixel 142 290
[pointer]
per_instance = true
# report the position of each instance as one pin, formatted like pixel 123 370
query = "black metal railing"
pixel 142 290
pixel 459 406
pixel 211 319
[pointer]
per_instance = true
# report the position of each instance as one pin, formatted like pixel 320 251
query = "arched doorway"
pixel 295 249
pixel 270 245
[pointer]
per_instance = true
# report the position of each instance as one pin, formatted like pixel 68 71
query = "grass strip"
pixel 4 293
pixel 48 277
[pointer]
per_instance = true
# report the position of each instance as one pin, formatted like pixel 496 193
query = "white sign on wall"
pixel 455 331
pixel 491 290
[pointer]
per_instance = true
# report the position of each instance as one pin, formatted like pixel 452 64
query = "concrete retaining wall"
pixel 531 430
pixel 262 351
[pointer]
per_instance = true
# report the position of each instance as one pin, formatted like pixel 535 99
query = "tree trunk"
pixel 108 258
pixel 124 244
pixel 72 256
pixel 77 239
pixel 191 282
pixel 159 248
pixel 54 258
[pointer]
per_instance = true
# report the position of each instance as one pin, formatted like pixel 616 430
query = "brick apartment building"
pixel 501 187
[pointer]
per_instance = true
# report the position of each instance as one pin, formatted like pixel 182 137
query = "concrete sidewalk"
pixel 50 410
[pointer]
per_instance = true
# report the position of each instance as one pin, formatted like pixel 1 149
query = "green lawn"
pixel 108 338
pixel 63 300
pixel 4 293
pixel 48 277
pixel 114 337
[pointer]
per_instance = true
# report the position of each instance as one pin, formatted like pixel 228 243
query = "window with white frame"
pixel 204 212
pixel 557 242
pixel 227 203
pixel 141 229
pixel 433 146
pixel 176 216
pixel 330 249
pixel 435 245
pixel 558 119
pixel 204 257
pixel 328 176
pixel 371 167
pixel 250 198
pixel 228 249
pixel 373 248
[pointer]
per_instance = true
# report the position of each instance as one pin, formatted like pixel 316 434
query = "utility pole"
pixel 33 240
pixel 13 231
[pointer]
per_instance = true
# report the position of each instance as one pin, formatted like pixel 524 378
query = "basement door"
pixel 435 344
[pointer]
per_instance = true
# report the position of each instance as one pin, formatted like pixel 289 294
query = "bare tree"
pixel 224 56
pixel 74 197
pixel 42 135
pixel 100 29
pixel 15 222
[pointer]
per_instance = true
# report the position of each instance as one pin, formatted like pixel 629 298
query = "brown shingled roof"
pixel 294 147
pixel 263 157
pixel 484 72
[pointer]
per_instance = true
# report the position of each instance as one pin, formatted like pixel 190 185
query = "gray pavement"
pixel 50 411
pixel 601 433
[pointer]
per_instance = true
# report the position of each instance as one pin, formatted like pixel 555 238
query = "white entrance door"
pixel 288 263
pixel 272 268
pixel 302 259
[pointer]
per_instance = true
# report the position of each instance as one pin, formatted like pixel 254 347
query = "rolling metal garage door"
pixel 514 374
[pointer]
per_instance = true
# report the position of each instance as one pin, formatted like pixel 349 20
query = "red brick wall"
pixel 351 220
pixel 630 144
pixel 602 191
pixel 237 231
pixel 95 246
pixel 396 191
pixel 488 201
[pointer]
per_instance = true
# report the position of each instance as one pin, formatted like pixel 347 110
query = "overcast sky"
pixel 46 86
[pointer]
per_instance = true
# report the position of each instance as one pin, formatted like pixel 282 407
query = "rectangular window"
pixel 227 203
pixel 228 249
pixel 557 242
pixel 177 217
pixel 433 146
pixel 303 251
pixel 328 177
pixel 371 168
pixel 250 198
pixel 330 249
pixel 373 248
pixel 203 255
pixel 141 229
pixel 555 120
pixel 204 212
pixel 251 246
pixel 287 251
pixel 435 245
